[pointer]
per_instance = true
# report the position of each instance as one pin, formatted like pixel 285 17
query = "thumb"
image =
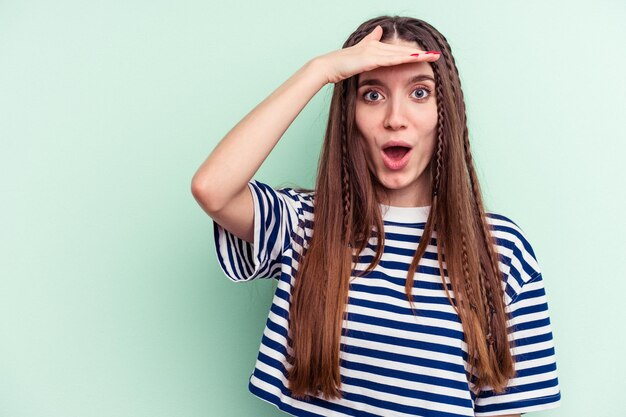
pixel 376 33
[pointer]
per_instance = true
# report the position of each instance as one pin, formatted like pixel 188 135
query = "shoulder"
pixel 508 232
pixel 516 252
pixel 304 195
pixel 298 201
pixel 295 193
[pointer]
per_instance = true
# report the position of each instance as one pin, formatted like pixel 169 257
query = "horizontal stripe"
pixel 393 362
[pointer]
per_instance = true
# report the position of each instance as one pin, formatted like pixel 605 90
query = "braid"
pixel 440 135
pixel 485 284
pixel 345 177
pixel 467 281
pixel 469 290
pixel 488 301
pixel 441 118
pixel 442 44
pixel 466 144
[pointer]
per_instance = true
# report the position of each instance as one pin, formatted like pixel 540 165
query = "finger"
pixel 408 54
pixel 395 59
pixel 429 56
pixel 408 50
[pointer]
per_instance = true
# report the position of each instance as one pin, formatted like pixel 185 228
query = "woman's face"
pixel 398 103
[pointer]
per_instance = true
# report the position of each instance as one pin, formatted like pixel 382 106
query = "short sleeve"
pixel 276 216
pixel 535 386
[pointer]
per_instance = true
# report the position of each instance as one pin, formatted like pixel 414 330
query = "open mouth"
pixel 396 153
pixel 396 157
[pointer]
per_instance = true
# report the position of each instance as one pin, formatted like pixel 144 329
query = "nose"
pixel 396 116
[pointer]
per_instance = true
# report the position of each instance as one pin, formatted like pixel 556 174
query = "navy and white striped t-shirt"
pixel 392 362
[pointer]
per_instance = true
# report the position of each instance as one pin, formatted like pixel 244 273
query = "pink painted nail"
pixel 433 52
pixel 415 54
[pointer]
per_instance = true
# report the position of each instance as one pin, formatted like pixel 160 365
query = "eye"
pixel 422 96
pixel 375 95
pixel 368 92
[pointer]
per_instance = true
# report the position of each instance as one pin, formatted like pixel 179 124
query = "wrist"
pixel 317 69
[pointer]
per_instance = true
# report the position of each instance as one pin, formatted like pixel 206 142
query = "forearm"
pixel 239 155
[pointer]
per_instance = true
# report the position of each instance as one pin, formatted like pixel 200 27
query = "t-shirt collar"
pixel 405 214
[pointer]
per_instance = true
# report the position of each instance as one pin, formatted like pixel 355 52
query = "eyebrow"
pixel 414 79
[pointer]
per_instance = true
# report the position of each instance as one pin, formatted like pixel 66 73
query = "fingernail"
pixel 433 52
pixel 415 54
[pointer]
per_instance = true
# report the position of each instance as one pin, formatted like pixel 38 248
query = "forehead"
pixel 406 70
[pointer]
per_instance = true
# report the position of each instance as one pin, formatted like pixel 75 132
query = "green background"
pixel 111 299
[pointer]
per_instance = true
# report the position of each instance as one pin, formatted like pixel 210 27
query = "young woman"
pixel 397 293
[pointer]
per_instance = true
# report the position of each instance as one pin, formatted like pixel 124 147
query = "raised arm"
pixel 220 184
pixel 238 156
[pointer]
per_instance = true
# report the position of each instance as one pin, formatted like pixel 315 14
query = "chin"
pixel 395 181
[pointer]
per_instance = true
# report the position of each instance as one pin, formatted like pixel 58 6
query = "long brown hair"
pixel 346 209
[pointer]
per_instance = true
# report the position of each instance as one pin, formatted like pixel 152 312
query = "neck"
pixel 418 196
